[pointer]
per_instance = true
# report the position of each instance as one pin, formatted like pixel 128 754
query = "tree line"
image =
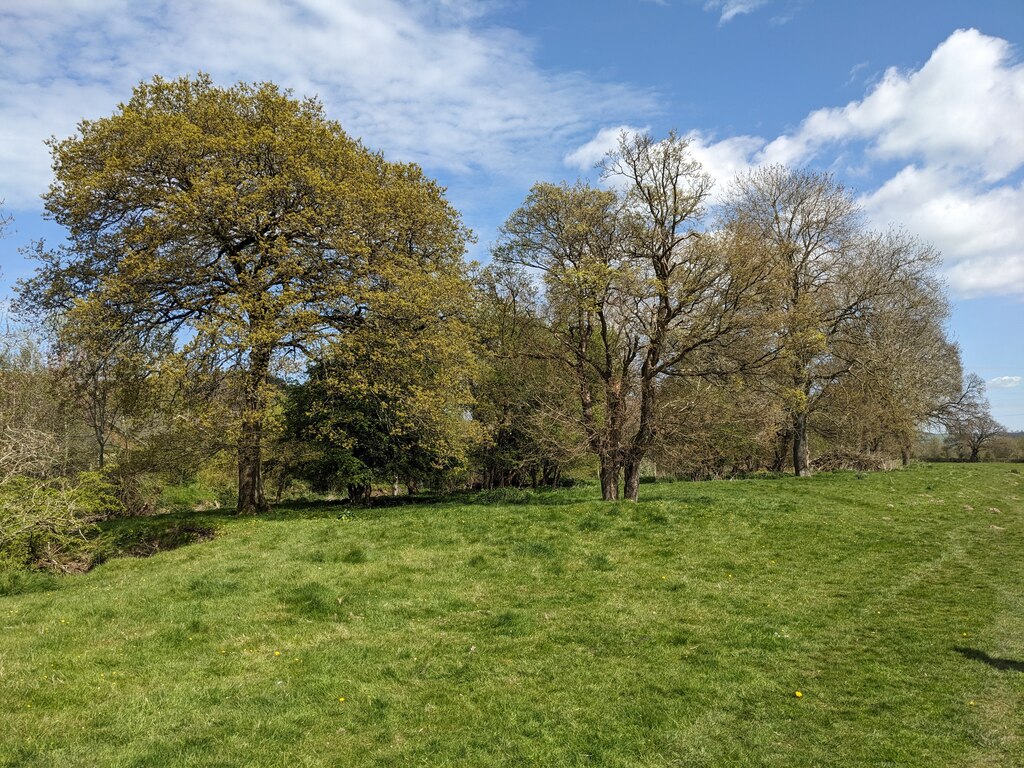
pixel 242 282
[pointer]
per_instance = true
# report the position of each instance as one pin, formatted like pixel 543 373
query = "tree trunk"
pixel 251 497
pixel 782 448
pixel 632 477
pixel 801 451
pixel 644 437
pixel 905 455
pixel 609 479
pixel 360 493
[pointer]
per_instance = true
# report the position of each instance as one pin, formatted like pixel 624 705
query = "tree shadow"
pixel 984 658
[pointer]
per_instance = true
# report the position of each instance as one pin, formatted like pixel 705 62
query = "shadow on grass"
pixel 995 663
pixel 147 536
pixel 150 534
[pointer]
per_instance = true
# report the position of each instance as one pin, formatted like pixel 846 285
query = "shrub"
pixel 44 523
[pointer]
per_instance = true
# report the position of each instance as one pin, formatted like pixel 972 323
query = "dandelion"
pixel 342 699
pixel 277 653
pixel 799 695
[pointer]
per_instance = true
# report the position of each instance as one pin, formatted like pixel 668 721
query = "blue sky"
pixel 918 106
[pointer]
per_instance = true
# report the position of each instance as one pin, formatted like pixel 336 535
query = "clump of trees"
pixel 775 330
pixel 243 279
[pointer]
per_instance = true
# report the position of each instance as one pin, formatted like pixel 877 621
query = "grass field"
pixel 557 631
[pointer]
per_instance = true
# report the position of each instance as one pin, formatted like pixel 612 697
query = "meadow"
pixel 842 619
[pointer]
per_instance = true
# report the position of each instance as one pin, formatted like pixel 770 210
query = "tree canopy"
pixel 244 223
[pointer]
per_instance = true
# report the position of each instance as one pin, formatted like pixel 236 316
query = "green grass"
pixel 552 631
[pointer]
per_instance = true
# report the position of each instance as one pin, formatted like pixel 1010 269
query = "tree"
pixel 390 403
pixel 700 312
pixel 969 422
pixel 906 370
pixel 107 383
pixel 831 280
pixel 528 409
pixel 635 292
pixel 574 236
pixel 242 223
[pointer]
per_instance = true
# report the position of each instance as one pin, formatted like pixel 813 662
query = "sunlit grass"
pixel 563 631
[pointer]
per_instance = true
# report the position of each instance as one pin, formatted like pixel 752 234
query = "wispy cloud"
pixel 1004 382
pixel 855 72
pixel 428 80
pixel 730 9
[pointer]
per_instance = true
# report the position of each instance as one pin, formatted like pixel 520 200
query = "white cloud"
pixel 426 80
pixel 730 9
pixel 964 108
pixel 1004 382
pixel 724 159
pixel 956 126
pixel 979 230
pixel 587 156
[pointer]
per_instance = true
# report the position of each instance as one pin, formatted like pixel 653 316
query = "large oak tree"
pixel 245 223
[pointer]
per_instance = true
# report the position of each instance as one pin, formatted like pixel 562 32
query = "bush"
pixel 44 523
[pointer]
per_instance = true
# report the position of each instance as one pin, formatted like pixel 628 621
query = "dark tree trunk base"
pixel 801 451
pixel 609 482
pixel 632 489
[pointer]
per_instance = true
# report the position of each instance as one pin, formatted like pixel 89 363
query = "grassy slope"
pixel 563 632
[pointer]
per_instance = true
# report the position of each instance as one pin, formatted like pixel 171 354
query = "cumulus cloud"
pixel 587 156
pixel 964 108
pixel 724 159
pixel 427 80
pixel 978 229
pixel 955 130
pixel 1004 382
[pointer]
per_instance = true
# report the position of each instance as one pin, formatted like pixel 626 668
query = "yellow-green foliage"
pixel 43 524
pixel 247 219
